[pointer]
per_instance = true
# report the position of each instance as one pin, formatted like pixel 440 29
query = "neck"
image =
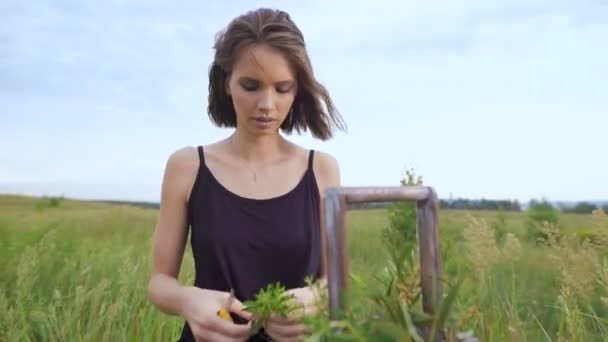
pixel 256 149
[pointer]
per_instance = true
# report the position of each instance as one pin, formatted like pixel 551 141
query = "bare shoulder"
pixel 170 232
pixel 181 169
pixel 183 159
pixel 327 170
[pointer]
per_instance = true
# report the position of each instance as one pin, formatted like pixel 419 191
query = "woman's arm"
pixel 170 236
pixel 197 306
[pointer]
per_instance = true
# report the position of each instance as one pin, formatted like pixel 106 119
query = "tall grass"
pixel 78 272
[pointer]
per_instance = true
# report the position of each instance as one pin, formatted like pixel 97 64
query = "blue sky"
pixel 494 99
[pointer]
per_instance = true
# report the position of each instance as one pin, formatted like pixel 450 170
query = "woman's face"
pixel 263 88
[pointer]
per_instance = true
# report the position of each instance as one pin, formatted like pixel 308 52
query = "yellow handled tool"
pixel 224 312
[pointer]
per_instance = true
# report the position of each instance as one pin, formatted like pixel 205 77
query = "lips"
pixel 263 122
pixel 264 119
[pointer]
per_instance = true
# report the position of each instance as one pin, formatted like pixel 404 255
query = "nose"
pixel 266 102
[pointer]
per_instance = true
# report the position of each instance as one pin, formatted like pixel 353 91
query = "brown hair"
pixel 275 28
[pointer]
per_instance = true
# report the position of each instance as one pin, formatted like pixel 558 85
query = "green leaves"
pixel 268 301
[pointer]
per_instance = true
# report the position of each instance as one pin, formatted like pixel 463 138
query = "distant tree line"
pixel 584 208
pixel 145 205
pixel 458 204
pixel 504 205
pixel 514 205
pixel 480 204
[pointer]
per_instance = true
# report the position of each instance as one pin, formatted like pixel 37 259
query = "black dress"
pixel 246 244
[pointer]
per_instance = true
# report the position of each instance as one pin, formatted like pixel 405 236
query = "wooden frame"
pixel 340 199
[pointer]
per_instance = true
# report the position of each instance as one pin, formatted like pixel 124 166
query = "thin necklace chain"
pixel 255 176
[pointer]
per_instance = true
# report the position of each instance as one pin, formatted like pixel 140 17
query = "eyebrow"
pixel 279 83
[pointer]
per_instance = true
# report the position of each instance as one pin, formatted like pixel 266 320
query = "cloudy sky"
pixel 495 99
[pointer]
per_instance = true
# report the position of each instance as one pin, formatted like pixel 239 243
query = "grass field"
pixel 78 272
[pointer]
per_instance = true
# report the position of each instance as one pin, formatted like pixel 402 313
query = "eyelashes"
pixel 252 87
pixel 249 87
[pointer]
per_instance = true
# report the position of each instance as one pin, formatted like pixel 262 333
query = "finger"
pixel 197 332
pixel 282 320
pixel 287 331
pixel 287 339
pixel 305 304
pixel 239 309
pixel 297 315
pixel 229 329
pixel 212 336
pixel 306 310
pixel 292 339
pixel 202 334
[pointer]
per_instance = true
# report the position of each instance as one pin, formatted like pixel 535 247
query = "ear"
pixel 227 85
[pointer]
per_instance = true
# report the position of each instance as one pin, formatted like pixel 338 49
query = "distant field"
pixel 78 271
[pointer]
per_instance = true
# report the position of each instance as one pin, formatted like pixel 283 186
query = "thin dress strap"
pixel 201 155
pixel 310 158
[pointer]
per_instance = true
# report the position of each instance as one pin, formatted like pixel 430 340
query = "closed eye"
pixel 284 86
pixel 250 84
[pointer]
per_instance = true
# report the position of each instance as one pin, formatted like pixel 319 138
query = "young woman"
pixel 252 201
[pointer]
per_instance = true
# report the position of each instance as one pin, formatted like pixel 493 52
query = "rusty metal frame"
pixel 338 200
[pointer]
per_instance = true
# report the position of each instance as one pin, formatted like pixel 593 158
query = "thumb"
pixel 295 292
pixel 238 308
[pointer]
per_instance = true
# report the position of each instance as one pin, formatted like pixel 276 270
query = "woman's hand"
pixel 200 310
pixel 292 328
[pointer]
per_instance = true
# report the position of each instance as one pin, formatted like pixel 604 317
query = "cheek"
pixel 244 101
pixel 285 101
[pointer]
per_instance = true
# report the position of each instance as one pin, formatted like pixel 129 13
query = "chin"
pixel 256 131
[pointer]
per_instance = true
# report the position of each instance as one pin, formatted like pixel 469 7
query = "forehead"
pixel 263 62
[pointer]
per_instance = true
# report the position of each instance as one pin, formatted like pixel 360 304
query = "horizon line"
pixel 147 201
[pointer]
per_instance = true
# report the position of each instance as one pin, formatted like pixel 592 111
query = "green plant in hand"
pixel 268 301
